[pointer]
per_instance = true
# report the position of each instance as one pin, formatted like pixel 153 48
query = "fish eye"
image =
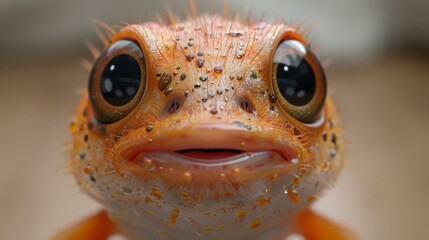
pixel 300 80
pixel 117 81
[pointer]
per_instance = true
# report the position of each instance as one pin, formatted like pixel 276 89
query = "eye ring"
pixel 299 81
pixel 117 81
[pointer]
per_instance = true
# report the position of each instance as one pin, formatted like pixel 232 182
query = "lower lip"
pixel 172 166
pixel 260 159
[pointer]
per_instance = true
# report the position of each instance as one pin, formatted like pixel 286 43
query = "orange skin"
pixel 157 198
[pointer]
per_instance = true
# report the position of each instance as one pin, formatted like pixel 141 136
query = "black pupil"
pixel 295 77
pixel 121 80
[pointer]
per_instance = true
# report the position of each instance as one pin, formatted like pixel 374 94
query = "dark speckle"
pixel 186 93
pixel 149 127
pixel 200 53
pixel 238 124
pixel 158 74
pixel 296 131
pixel 239 77
pixel 200 62
pixel 85 138
pixel 286 124
pixel 164 81
pixel 197 85
pixel 272 107
pixel 324 136
pixel 334 138
pixel 204 77
pixel 92 178
pixel 253 75
pixel 204 99
pixel 82 155
pixel 248 127
pixel 90 125
pixel 333 153
pixel 182 76
pixel 217 69
pixel 190 57
pixel 213 111
pixel 272 97
pixel 168 91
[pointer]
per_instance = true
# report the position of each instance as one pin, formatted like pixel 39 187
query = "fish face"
pixel 207 127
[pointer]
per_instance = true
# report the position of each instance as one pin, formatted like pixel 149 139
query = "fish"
pixel 206 128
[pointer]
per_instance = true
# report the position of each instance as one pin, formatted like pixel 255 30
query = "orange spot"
pixel 187 176
pixel 148 200
pixel 240 213
pixel 157 194
pixel 326 166
pixel 87 170
pixel 255 223
pixel 174 215
pixel 311 198
pixel 148 212
pixel 296 180
pixel 228 193
pixel 186 196
pixel 147 162
pixel 74 129
pixel 262 200
pixel 235 171
pixel 293 195
pixel 209 228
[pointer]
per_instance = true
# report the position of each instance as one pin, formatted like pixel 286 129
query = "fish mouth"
pixel 209 154
pixel 208 149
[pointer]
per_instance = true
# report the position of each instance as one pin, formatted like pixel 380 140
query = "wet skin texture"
pixel 201 141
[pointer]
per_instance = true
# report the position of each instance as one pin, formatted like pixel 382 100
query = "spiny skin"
pixel 216 66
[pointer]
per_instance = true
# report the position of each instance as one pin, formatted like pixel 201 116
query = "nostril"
pixel 173 106
pixel 247 105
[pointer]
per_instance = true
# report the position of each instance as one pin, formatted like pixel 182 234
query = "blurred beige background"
pixel 379 77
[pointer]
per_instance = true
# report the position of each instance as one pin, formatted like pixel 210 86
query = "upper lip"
pixel 210 135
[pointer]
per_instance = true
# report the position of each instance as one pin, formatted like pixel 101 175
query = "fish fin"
pixel 315 227
pixel 95 227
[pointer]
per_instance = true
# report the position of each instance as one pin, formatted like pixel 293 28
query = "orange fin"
pixel 315 227
pixel 96 227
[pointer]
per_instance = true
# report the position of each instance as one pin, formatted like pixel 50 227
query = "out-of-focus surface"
pixel 380 88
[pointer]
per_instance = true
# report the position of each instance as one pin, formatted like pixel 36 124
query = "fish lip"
pixel 207 136
pixel 221 162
